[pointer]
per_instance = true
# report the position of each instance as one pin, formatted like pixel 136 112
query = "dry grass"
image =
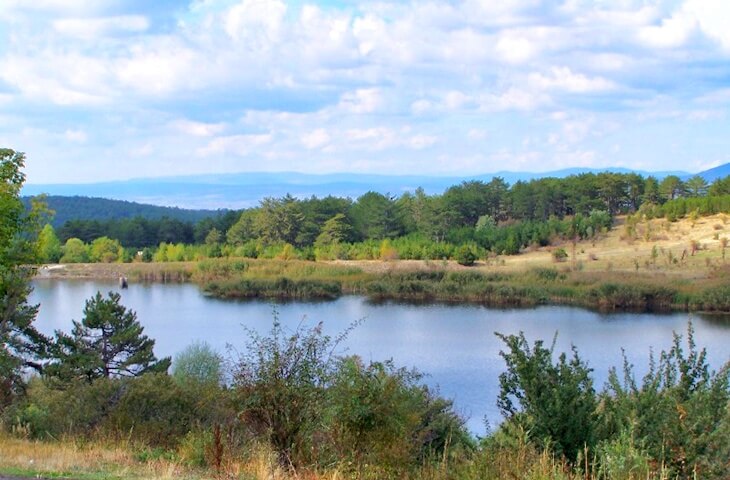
pixel 72 460
pixel 91 461
pixel 614 251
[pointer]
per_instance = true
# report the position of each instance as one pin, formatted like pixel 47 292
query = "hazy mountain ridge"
pixel 240 190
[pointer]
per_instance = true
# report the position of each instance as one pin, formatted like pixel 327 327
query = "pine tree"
pixel 108 342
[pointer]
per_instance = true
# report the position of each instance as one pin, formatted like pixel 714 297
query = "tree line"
pixel 468 220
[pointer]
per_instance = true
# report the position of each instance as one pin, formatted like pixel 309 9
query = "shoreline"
pixel 426 281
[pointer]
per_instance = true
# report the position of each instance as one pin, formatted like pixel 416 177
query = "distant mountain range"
pixel 241 190
pixel 714 173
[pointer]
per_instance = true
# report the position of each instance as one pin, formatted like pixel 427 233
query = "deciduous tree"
pixel 21 345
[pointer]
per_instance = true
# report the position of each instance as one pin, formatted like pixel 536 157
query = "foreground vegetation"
pixel 290 407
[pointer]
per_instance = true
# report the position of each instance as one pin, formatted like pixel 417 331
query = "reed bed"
pixel 622 291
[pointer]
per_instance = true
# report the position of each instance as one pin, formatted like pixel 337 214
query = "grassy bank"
pixel 100 461
pixel 677 289
pixel 536 286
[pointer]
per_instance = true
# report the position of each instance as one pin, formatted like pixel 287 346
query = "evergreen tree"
pixel 696 186
pixel 108 342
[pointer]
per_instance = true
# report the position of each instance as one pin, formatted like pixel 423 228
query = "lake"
pixel 454 345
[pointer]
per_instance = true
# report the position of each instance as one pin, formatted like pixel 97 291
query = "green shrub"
pixel 560 255
pixel 555 402
pixel 466 255
pixel 279 387
pixel 380 415
pixel 679 411
pixel 198 363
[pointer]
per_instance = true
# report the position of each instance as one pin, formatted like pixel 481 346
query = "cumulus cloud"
pixel 389 83
pixel 562 78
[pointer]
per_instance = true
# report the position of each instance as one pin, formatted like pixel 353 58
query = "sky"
pixel 96 90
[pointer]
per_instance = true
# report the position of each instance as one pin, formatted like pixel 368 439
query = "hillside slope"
pixel 91 208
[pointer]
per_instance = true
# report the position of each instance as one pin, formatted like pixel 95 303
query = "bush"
pixel 554 402
pixel 466 255
pixel 279 387
pixel 560 255
pixel 198 363
pixel 380 415
pixel 679 411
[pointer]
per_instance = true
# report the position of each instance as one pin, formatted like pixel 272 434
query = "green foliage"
pixel 280 385
pixel 696 186
pixel 554 402
pixel 376 216
pixel 671 187
pixel 560 255
pixel 679 410
pixel 279 220
pixel 198 363
pixel 103 209
pixel 105 250
pixel 334 231
pixel 466 255
pixel 49 246
pixel 75 251
pixel 623 457
pixel 380 415
pixel 151 409
pixel 21 345
pixel 108 342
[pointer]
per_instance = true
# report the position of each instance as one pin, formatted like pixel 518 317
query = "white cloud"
pixel 563 78
pixel 673 31
pixel 48 76
pixel 75 136
pixel 393 84
pixel 376 138
pixel 240 145
pixel 477 134
pixel 514 98
pixel 62 6
pixel 315 139
pixel 713 18
pixel 515 49
pixel 421 106
pixel 419 142
pixel 91 28
pixel 255 23
pixel 197 129
pixel 161 67
pixel 455 99
pixel 364 100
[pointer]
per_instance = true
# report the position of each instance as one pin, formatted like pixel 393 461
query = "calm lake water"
pixel 454 345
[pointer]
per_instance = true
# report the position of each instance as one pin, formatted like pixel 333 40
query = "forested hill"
pixel 91 208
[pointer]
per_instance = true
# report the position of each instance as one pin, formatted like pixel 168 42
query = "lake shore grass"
pixel 422 281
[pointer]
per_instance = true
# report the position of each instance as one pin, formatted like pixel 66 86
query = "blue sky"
pixel 114 89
